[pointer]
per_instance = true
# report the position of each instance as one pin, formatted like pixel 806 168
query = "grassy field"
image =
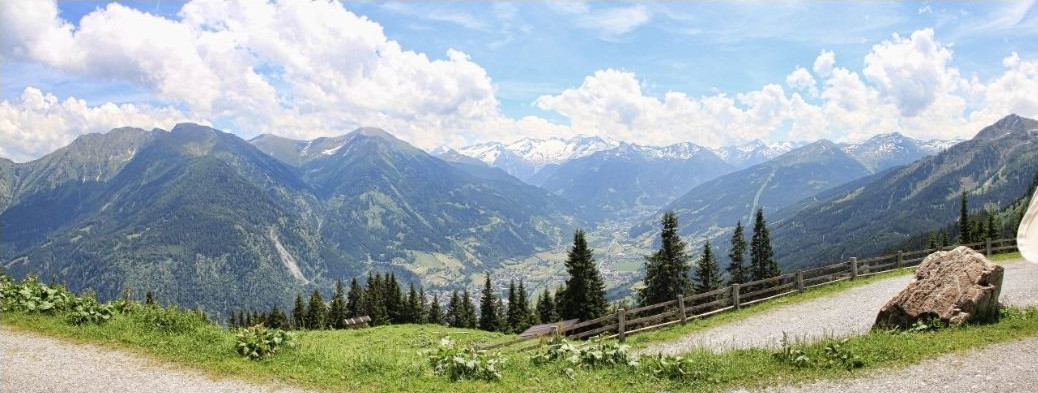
pixel 392 358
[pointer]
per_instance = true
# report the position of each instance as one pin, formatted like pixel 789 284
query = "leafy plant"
pixel 678 368
pixel 836 354
pixel 30 295
pixel 599 352
pixel 790 354
pixel 465 362
pixel 169 319
pixel 258 342
pixel 89 310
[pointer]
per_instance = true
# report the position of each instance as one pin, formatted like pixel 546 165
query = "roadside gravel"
pixel 30 363
pixel 842 314
pixel 1007 367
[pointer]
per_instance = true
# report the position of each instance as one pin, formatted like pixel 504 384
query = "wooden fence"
pixel 626 322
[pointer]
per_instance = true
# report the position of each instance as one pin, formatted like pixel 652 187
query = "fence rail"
pixel 625 322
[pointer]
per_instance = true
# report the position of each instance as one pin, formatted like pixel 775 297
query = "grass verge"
pixel 390 358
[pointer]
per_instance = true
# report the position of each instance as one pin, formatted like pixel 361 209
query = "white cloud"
pixel 610 23
pixel 802 80
pixel 824 63
pixel 910 72
pixel 39 123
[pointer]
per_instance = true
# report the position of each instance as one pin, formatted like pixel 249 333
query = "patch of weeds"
pixel 598 353
pixel 465 362
pixel 258 342
pixel 676 368
pixel 834 354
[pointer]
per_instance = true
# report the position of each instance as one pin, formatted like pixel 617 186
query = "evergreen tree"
pixel 944 239
pixel 435 316
pixel 248 319
pixel 979 231
pixel 298 313
pixel 317 312
pixel 276 319
pixel 414 305
pixel 737 270
pixel 454 312
pixel 584 297
pixel 666 270
pixel 525 314
pixel 546 308
pixel 964 223
pixel 708 275
pixel 468 310
pixel 502 315
pixel 513 315
pixel 932 244
pixel 559 299
pixel 337 310
pixel 762 257
pixel 487 312
pixel 233 323
pixel 374 299
pixel 422 313
pixel 393 298
pixel 992 232
pixel 355 300
pixel 149 299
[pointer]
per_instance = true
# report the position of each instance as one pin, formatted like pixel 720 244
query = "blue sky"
pixel 653 73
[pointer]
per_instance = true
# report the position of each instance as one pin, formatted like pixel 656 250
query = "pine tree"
pixel 708 275
pixel 932 244
pixel 393 298
pixel 435 316
pixel 149 299
pixel 584 296
pixel 964 223
pixel 374 299
pixel 317 312
pixel 992 232
pixel 422 313
pixel 276 319
pixel 546 308
pixel 559 299
pixel 337 310
pixel 298 313
pixel 666 270
pixel 454 311
pixel 233 323
pixel 525 314
pixel 414 305
pixel 487 312
pixel 502 315
pixel 513 315
pixel 468 310
pixel 762 257
pixel 355 306
pixel 737 270
pixel 944 239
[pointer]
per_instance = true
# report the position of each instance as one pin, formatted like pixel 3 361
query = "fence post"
pixel 900 259
pixel 681 306
pixel 854 268
pixel 987 251
pixel 735 296
pixel 621 324
pixel 800 280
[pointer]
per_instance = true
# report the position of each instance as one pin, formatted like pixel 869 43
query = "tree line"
pixel 668 274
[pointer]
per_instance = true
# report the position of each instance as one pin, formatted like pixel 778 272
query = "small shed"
pixel 548 328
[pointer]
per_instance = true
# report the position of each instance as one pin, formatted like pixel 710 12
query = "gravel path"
pixel 1006 367
pixel 30 363
pixel 842 314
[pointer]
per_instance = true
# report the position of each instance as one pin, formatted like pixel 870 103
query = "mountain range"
pixel 206 219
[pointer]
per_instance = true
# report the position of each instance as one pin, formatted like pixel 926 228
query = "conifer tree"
pixel 932 244
pixel 762 257
pixel 275 319
pixel 374 299
pixel 355 300
pixel 454 311
pixel 487 313
pixel 525 313
pixel 512 321
pixel 298 313
pixel 944 239
pixel 422 313
pixel 964 223
pixel 584 296
pixel 233 323
pixel 393 298
pixel 708 275
pixel 435 316
pixel 468 310
pixel 992 232
pixel 149 299
pixel 667 270
pixel 317 312
pixel 546 308
pixel 738 272
pixel 559 299
pixel 337 309
pixel 414 305
pixel 502 315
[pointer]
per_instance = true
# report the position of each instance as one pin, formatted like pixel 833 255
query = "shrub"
pixel 464 362
pixel 676 367
pixel 834 354
pixel 88 310
pixel 169 319
pixel 790 354
pixel 32 296
pixel 258 342
pixel 599 352
pixel 837 355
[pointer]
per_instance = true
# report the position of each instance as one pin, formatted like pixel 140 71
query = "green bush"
pixel 834 354
pixel 676 367
pixel 88 310
pixel 32 296
pixel 599 352
pixel 170 319
pixel 464 362
pixel 258 342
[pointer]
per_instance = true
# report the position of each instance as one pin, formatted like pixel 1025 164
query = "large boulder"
pixel 955 286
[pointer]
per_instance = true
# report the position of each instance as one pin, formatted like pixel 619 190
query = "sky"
pixel 459 73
